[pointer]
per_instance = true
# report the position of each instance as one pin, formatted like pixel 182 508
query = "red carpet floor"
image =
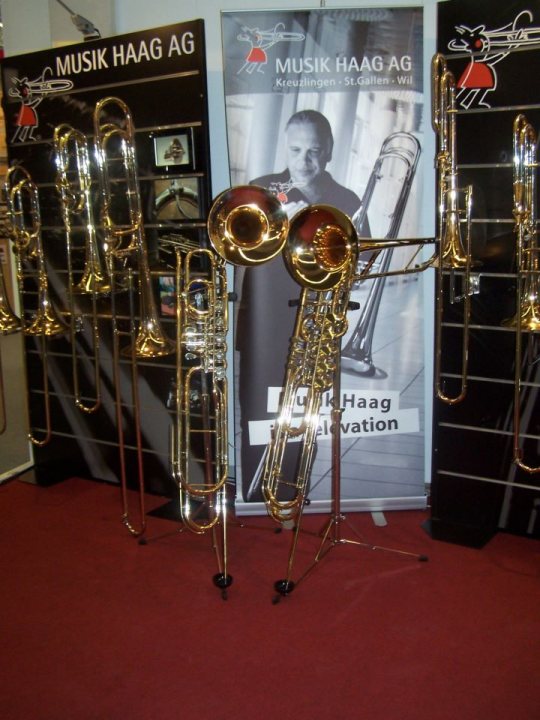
pixel 95 626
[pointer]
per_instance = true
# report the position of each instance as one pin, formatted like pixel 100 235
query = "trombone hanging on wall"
pixel 454 209
pixel 24 223
pixel 122 216
pixel 527 316
pixel 122 219
pixel 74 183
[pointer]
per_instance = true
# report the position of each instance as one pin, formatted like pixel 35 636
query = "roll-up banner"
pixel 327 106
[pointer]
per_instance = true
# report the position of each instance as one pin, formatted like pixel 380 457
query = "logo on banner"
pixel 487 48
pixel 262 40
pixel 31 93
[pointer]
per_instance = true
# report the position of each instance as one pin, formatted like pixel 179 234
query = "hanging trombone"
pixel 454 210
pixel 24 223
pixel 527 315
pixel 246 226
pixel 122 216
pixel 122 219
pixel 74 184
pixel 451 254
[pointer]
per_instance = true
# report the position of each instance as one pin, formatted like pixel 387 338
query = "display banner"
pixel 327 106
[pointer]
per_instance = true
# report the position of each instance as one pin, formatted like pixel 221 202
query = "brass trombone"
pixel 115 149
pixel 121 214
pixel 74 183
pixel 24 223
pixel 199 439
pixel 527 316
pixel 443 118
pixel 454 209
pixel 246 226
pixel 321 255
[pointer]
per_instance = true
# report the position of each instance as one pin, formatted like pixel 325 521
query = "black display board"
pixel 161 75
pixel 493 50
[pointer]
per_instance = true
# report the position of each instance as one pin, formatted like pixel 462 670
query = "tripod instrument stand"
pixel 331 534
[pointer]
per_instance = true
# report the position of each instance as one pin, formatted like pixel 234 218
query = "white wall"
pixel 131 15
pixel 31 25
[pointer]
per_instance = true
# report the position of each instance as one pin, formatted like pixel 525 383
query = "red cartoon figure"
pixel 31 93
pixel 260 41
pixel 487 48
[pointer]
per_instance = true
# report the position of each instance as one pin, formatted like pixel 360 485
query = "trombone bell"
pixel 247 225
pixel 320 247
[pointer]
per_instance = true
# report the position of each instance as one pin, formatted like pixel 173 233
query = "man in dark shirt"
pixel 306 181
pixel 265 319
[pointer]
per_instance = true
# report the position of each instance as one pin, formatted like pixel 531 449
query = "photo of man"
pixel 268 291
pixel 305 181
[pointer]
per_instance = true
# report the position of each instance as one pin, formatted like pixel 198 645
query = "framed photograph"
pixel 174 150
pixel 176 199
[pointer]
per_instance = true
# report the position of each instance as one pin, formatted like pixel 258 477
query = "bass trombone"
pixel 321 255
pixel 246 226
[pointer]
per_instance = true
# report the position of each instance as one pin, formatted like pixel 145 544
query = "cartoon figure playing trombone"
pixel 260 41
pixel 487 48
pixel 31 93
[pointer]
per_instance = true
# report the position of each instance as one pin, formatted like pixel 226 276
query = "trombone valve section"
pixel 199 445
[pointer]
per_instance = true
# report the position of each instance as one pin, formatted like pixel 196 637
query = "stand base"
pixel 283 588
pixel 331 538
pixel 222 582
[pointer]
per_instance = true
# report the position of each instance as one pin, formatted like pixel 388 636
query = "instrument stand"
pixel 331 533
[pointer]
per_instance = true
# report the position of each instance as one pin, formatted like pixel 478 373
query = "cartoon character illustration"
pixel 31 93
pixel 487 48
pixel 260 41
